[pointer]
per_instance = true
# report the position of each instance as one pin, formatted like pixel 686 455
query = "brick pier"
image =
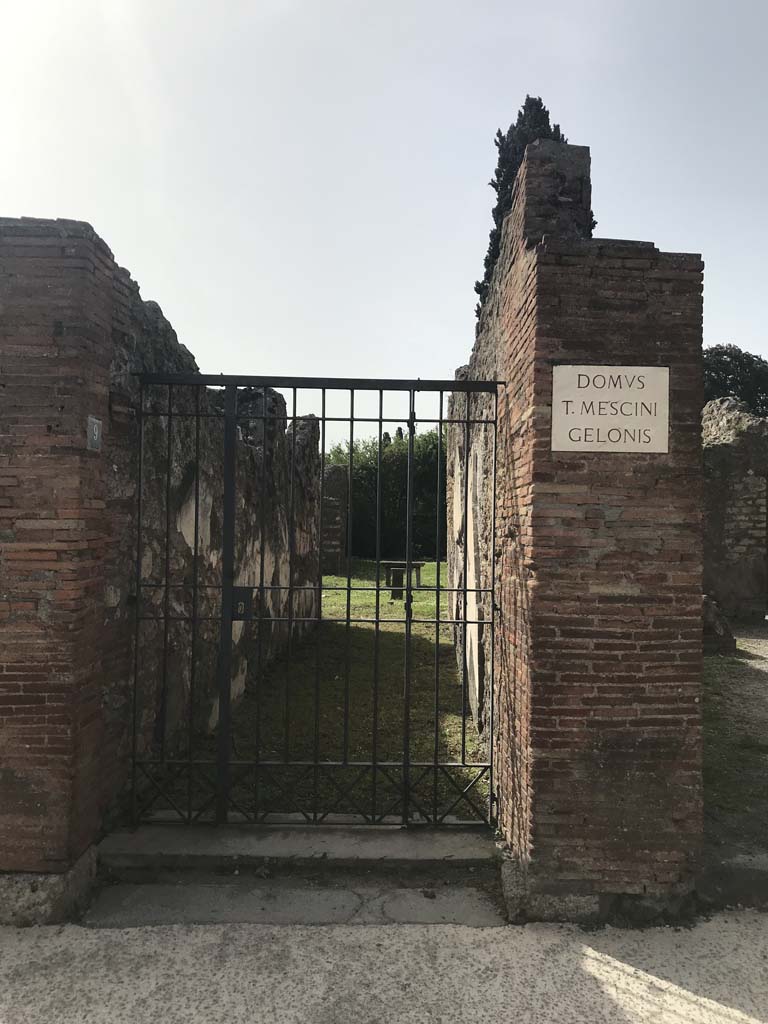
pixel 599 555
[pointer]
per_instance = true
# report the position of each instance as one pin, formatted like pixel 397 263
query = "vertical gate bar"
pixel 377 620
pixel 193 645
pixel 137 623
pixel 347 652
pixel 464 585
pixel 438 506
pixel 318 631
pixel 491 723
pixel 291 546
pixel 259 638
pixel 223 772
pixel 167 577
pixel 408 612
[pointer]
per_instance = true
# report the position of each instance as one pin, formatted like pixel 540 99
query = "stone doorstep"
pixel 243 898
pixel 368 849
pixel 306 876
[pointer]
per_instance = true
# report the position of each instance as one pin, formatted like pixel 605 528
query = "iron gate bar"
pixel 408 610
pixel 377 624
pixel 438 557
pixel 193 643
pixel 316 383
pixel 312 586
pixel 166 574
pixel 419 421
pixel 216 586
pixel 291 554
pixel 465 556
pixel 347 653
pixel 312 618
pixel 137 623
pixel 228 582
pixel 328 419
pixel 212 762
pixel 259 640
pixel 319 605
pixel 227 769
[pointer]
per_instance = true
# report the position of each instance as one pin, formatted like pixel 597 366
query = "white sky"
pixel 302 184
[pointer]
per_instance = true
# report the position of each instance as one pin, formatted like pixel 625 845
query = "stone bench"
pixel 395 575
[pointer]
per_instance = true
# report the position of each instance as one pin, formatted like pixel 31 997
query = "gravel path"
pixel 399 974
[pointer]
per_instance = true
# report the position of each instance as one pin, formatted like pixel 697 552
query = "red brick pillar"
pixel 599 552
pixel 55 349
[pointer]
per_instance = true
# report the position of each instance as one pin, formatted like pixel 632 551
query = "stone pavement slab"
pixel 407 974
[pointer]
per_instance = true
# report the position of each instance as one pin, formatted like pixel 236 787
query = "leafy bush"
pixel 427 503
pixel 731 372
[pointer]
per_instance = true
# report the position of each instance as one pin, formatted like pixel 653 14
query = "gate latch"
pixel 242 603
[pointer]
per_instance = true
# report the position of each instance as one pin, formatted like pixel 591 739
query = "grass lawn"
pixel 339 698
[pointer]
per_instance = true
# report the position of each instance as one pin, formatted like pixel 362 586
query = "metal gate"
pixel 303 656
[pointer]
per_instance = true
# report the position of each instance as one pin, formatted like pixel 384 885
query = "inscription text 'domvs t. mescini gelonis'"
pixel 610 408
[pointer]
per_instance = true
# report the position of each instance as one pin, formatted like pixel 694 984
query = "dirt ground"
pixel 736 747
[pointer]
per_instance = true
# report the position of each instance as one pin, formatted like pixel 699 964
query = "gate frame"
pixel 231 383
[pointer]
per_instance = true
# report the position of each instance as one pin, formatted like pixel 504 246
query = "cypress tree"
pixel 532 123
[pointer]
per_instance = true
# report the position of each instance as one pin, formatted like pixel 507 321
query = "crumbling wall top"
pixel 554 190
pixel 731 432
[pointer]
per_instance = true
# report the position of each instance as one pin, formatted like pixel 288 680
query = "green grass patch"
pixel 340 697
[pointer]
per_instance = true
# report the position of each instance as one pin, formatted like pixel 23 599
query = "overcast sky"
pixel 302 184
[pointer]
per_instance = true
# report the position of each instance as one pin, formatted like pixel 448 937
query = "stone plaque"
pixel 610 409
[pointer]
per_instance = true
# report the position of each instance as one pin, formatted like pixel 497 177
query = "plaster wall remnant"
pixel 73 332
pixel 597 745
pixel 263 523
pixel 469 515
pixel 735 446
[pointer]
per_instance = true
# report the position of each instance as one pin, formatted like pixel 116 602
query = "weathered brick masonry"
pixel 55 326
pixel 599 556
pixel 73 328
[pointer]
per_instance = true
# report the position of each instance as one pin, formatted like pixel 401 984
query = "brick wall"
pixel 73 331
pixel 55 282
pixel 599 555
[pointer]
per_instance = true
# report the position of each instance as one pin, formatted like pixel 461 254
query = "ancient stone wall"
pixel 599 564
pixel 735 511
pixel 276 517
pixel 73 330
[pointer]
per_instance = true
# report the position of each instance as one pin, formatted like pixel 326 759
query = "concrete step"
pixel 291 901
pixel 124 855
pixel 267 875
